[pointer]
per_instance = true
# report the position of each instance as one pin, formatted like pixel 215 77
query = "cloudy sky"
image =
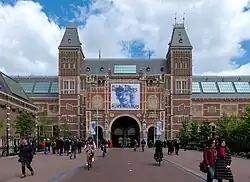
pixel 30 32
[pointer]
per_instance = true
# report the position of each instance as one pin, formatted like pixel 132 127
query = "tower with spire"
pixel 179 61
pixel 69 66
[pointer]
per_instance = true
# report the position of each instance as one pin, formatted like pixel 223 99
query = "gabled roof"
pixel 12 87
pixel 70 38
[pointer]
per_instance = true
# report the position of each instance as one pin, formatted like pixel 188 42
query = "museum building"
pixel 125 97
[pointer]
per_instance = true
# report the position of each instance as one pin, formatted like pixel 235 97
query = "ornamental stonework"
pixel 152 102
pixel 97 102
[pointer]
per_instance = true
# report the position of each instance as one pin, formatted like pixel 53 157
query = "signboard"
pixel 125 96
pixel 158 125
pixel 93 128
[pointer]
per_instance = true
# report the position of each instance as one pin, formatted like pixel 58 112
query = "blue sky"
pixel 138 44
pixel 64 11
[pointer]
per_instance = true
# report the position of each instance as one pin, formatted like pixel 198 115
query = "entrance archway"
pixel 151 136
pixel 100 133
pixel 124 131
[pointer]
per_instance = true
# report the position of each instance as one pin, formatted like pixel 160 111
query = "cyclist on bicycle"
pixel 90 148
pixel 104 144
pixel 158 149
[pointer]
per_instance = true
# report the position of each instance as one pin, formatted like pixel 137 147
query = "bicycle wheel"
pixel 88 166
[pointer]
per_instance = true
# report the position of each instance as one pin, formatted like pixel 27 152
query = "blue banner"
pixel 93 128
pixel 158 125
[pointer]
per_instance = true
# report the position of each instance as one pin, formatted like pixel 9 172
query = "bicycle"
pixel 4 152
pixel 158 158
pixel 89 159
pixel 104 150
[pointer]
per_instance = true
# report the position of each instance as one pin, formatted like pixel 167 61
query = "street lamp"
pixel 7 129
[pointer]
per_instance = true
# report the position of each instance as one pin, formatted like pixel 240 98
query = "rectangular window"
pixel 181 119
pixel 69 118
pixel 69 87
pixel 181 107
pixel 209 87
pixel 125 69
pixel 211 109
pixel 182 87
pixel 69 107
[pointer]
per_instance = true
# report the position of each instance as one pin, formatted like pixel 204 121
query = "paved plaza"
pixel 189 160
pixel 119 165
pixel 125 165
pixel 46 167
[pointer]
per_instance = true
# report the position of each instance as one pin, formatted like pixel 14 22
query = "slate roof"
pixel 70 38
pixel 179 36
pixel 102 66
pixel 12 87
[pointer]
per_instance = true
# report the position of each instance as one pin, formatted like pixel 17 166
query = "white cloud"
pixel 28 40
pixel 215 29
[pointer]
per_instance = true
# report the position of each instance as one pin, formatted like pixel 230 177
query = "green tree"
pixel 43 123
pixel 205 130
pixel 25 124
pixel 65 129
pixel 184 133
pixel 194 131
pixel 228 126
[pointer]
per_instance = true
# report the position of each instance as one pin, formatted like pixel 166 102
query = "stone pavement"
pixel 45 166
pixel 190 160
pixel 125 165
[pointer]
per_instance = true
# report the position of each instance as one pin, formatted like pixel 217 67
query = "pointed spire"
pixel 175 19
pixel 179 36
pixel 183 19
pixel 100 54
pixel 70 37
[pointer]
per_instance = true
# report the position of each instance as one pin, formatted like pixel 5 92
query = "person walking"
pixel 223 163
pixel 25 157
pixel 209 157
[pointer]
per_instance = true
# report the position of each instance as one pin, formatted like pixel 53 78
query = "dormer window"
pixel 101 69
pixel 162 69
pixel 69 40
pixel 180 41
pixel 148 69
pixel 87 69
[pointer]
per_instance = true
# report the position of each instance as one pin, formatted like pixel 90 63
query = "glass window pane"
pixel 226 87
pixel 27 86
pixel 127 69
pixel 196 87
pixel 242 87
pixel 54 87
pixel 41 87
pixel 209 87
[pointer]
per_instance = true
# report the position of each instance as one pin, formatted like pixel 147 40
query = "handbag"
pixel 203 167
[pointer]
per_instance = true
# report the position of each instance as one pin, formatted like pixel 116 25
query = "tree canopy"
pixel 25 124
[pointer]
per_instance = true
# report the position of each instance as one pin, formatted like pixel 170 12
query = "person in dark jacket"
pixel 73 146
pixel 25 157
pixel 223 163
pixel 158 149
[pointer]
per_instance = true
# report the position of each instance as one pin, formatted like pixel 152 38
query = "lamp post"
pixel 7 129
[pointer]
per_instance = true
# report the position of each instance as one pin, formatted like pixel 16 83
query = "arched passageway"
pixel 124 131
pixel 151 136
